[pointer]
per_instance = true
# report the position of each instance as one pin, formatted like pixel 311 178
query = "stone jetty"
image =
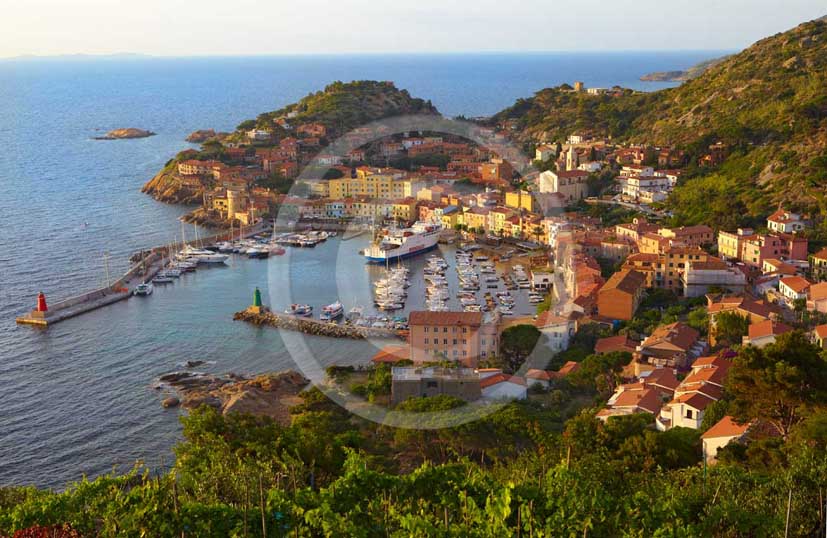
pixel 311 326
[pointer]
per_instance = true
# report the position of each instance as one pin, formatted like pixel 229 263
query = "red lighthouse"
pixel 41 302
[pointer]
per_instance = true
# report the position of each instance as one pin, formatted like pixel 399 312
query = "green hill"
pixel 343 106
pixel 767 104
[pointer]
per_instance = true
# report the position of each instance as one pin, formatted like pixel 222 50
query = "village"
pixel 643 285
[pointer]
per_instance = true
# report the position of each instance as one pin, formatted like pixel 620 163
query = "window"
pixel 432 384
pixel 445 341
pixel 455 341
pixel 445 329
pixel 688 413
pixel 426 329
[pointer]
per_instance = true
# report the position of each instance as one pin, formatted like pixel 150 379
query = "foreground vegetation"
pixel 534 468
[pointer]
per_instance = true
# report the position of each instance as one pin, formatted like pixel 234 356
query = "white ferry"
pixel 396 244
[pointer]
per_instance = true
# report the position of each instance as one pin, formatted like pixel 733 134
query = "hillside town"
pixel 665 297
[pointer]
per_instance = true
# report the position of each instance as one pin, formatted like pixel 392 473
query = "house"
pixel 819 335
pixel 764 333
pixel 670 346
pixel 412 382
pixel 542 280
pixel 785 222
pixel 544 378
pixel 464 337
pixel 504 387
pixel 572 184
pixel 724 432
pixel 699 276
pixel 621 295
pixel 558 331
pixel 702 386
pixel 817 298
pixel 782 268
pixel 753 249
pixel 258 135
pixel 545 152
pixel 794 288
pixel 632 401
pixel 612 344
pixel 818 264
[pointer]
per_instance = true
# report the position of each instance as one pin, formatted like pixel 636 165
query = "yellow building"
pixel 497 220
pixel 475 218
pixel 372 185
pixel 519 200
pixel 404 210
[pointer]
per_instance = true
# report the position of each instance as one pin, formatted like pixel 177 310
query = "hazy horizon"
pixel 287 27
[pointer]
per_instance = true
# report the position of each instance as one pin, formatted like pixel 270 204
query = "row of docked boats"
pixel 436 284
pixel 307 239
pixel 390 292
pixel 331 312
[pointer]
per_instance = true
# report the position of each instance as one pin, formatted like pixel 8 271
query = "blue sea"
pixel 78 398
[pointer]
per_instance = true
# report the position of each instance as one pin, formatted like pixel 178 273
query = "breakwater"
pixel 314 327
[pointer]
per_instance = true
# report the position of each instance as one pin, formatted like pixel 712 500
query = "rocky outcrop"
pixel 204 135
pixel 167 187
pixel 269 395
pixel 125 134
pixel 207 219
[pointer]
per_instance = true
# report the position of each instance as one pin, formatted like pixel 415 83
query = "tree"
pixel 517 343
pixel 600 372
pixel 698 319
pixel 778 384
pixel 730 328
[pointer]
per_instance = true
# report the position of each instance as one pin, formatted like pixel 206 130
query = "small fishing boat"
pixel 143 289
pixel 162 279
pixel 332 311
pixel 302 310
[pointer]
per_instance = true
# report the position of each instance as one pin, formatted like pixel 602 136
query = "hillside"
pixel 343 106
pixel 767 104
pixel 682 76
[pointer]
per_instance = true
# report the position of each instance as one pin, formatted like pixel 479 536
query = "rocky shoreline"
pixel 269 395
pixel 166 187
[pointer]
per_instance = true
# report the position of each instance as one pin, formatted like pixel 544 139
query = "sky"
pixel 250 27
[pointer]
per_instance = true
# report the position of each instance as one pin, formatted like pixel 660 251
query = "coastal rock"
pixel 193 364
pixel 269 395
pixel 167 187
pixel 170 402
pixel 125 134
pixel 204 135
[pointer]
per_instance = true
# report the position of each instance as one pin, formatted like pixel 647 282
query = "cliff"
pixel 166 187
pixel 683 75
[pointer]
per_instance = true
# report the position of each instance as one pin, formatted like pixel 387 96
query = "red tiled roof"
pixel 648 400
pixel 767 328
pixel 392 354
pixel 726 427
pixel 796 283
pixel 501 378
pixel 821 331
pixel 473 319
pixel 615 343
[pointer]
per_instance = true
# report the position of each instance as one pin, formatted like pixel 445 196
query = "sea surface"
pixel 78 398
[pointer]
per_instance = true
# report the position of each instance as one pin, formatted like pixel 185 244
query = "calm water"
pixel 77 398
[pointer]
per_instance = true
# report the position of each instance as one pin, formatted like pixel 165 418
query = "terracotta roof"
pixel 392 354
pixel 821 331
pixel 571 173
pixel 501 378
pixel 548 319
pixel 543 375
pixel 473 319
pixel 726 427
pixel 647 400
pixel 767 328
pixel 695 400
pixel 569 368
pixel 796 283
pixel 818 291
pixel 627 280
pixel 662 377
pixel 821 254
pixel 678 334
pixel 615 343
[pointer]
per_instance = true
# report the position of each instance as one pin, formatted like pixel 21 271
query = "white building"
pixel 258 134
pixel 557 330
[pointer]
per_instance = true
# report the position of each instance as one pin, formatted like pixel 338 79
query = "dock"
pixel 122 289
pixel 260 316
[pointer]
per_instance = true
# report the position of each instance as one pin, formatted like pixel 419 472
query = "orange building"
pixel 620 297
pixel 463 337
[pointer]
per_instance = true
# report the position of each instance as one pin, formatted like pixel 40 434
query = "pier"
pixel 122 289
pixel 261 316
pixel 146 265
